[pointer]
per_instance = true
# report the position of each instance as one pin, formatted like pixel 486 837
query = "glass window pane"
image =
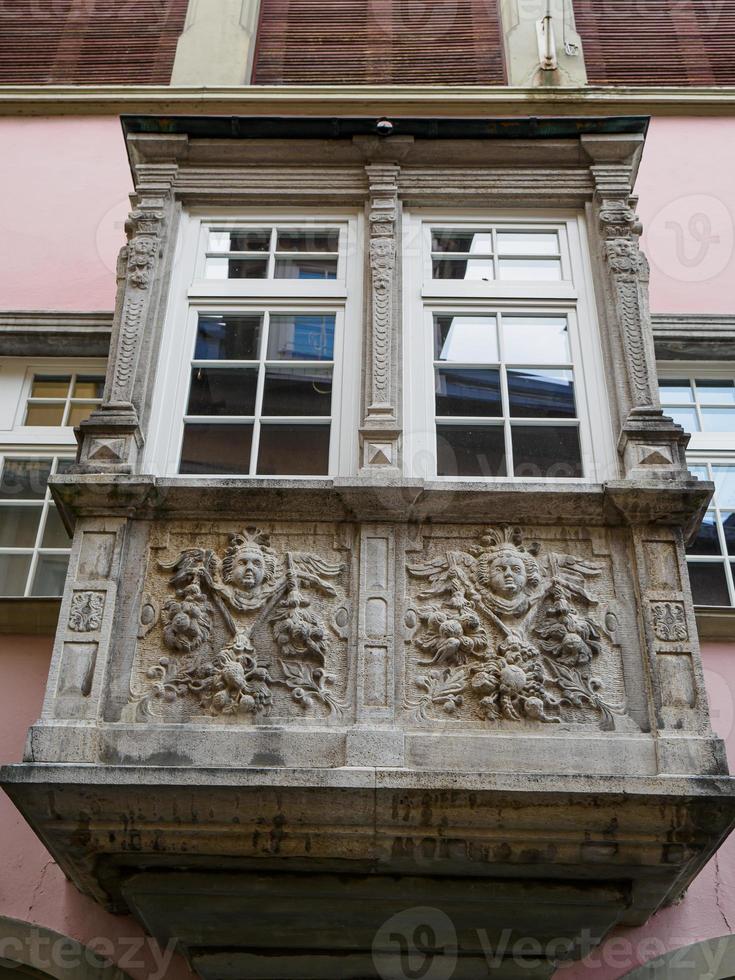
pixel 475 392
pixel 228 337
pixel 470 450
pixel 718 419
pixel 528 243
pixel 79 411
pixel 470 269
pixel 14 574
pixel 24 479
pixel 541 394
pixel 211 448
pixel 64 465
pixel 50 386
pixel 700 472
pixel 240 240
pixel 716 392
pixel 301 337
pixel 54 533
pixel 40 414
pixel 297 391
pixel 724 480
pixel 19 526
pixel 308 240
pixel 536 339
pixel 50 575
pixel 674 392
pixel 472 339
pixel 529 270
pixel 236 268
pixel 468 241
pixel 293 450
pixel 685 417
pixel 707 541
pixel 546 452
pixel 728 522
pixel 222 391
pixel 709 583
pixel 306 268
pixel 88 386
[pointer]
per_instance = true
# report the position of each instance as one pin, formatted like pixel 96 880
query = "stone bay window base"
pixel 281 712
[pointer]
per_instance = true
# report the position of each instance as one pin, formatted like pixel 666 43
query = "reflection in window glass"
pixel 709 554
pixel 536 339
pixel 34 545
pixel 63 399
pixel 264 403
pixel 469 339
pixel 477 450
pixel 268 253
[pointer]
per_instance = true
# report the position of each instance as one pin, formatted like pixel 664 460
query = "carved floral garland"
pixel 250 580
pixel 509 631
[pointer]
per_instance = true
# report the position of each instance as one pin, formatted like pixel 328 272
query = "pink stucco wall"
pixel 32 887
pixel 63 201
pixel 687 205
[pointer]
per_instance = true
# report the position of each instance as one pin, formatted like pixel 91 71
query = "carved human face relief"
pixel 507 576
pixel 248 570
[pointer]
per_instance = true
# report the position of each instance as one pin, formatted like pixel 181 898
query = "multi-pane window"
pixel 260 394
pixel 281 252
pixel 711 556
pixel 34 545
pixel 262 349
pixel 40 403
pixel 62 399
pixel 700 404
pixel 701 398
pixel 504 396
pixel 499 332
pixel 495 253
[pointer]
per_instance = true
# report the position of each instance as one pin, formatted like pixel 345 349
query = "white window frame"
pixel 19 441
pixel 190 294
pixel 715 448
pixel 572 296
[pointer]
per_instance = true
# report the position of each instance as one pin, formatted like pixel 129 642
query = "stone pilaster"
pixel 380 431
pixel 111 438
pixel 651 445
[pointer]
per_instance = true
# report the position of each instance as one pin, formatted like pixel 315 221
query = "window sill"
pixel 29 615
pixel 715 622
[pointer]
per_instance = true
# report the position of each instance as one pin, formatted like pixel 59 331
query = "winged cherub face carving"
pixel 507 575
pixel 248 570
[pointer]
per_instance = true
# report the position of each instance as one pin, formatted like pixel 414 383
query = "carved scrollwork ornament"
pixel 509 634
pixel 263 601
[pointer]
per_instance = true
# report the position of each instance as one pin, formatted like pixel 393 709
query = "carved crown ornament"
pixel 266 606
pixel 509 634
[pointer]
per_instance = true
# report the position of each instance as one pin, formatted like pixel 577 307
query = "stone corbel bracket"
pixel 650 444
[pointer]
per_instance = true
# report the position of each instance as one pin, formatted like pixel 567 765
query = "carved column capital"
pixel 380 432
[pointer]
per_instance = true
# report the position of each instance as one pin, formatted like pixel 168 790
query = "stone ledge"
pixel 600 851
pixel 620 502
pixel 38 617
pixel 715 622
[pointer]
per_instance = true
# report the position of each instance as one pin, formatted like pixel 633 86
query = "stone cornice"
pixel 55 333
pixel 694 337
pixel 425 100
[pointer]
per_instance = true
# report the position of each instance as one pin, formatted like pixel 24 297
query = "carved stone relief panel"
pixel 244 623
pixel 511 628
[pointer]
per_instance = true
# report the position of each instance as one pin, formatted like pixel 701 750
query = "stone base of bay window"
pixel 296 873
pixel 278 694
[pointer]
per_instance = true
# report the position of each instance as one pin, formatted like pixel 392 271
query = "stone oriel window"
pixel 498 319
pixel 260 328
